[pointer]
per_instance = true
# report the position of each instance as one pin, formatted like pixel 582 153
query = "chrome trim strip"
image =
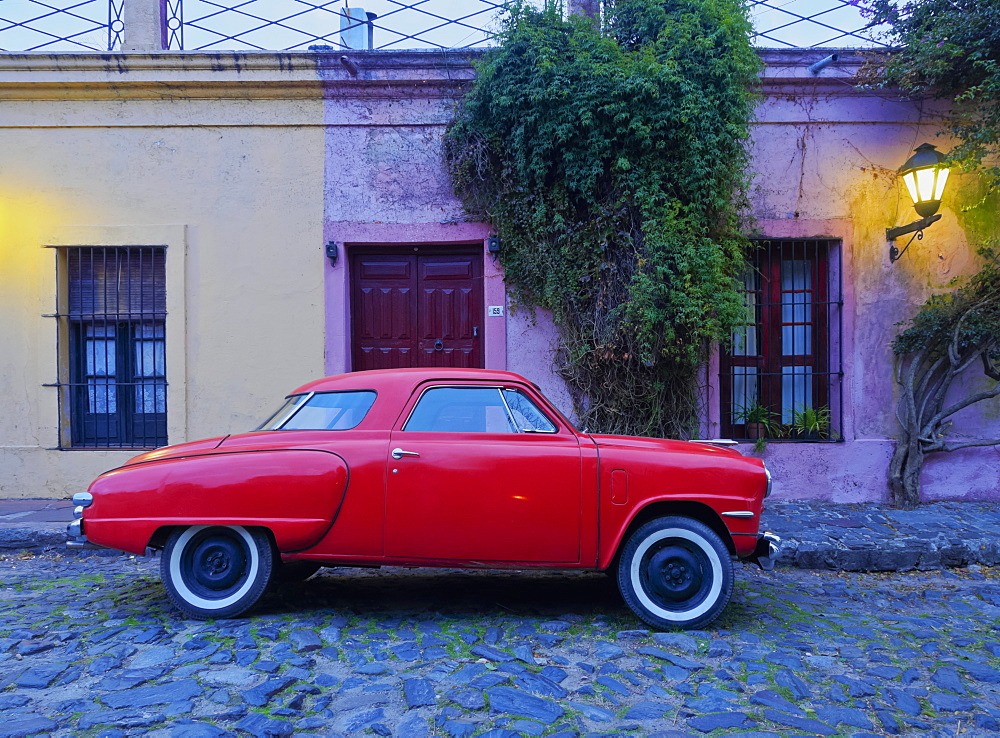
pixel 716 441
pixel 293 410
pixel 738 514
pixel 506 407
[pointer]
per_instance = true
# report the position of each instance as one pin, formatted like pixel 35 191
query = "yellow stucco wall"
pixel 220 158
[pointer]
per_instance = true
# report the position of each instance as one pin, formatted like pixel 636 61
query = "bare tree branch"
pixel 990 368
pixel 971 444
pixel 949 334
pixel 971 400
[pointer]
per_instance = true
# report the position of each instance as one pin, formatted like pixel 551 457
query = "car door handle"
pixel 398 453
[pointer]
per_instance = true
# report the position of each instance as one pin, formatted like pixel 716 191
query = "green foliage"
pixel 949 49
pixel 811 421
pixel 757 413
pixel 964 321
pixel 612 165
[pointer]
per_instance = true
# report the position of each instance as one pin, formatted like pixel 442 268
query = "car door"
pixel 481 474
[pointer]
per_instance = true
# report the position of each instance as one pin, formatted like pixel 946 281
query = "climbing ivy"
pixel 612 162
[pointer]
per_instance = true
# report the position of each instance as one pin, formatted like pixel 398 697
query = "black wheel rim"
pixel 676 574
pixel 214 563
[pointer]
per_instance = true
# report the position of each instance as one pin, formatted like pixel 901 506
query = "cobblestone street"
pixel 90 646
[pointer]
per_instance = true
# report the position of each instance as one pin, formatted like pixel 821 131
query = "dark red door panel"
pixel 484 497
pixel 417 307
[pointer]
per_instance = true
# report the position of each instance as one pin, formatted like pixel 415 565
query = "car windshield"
pixel 321 411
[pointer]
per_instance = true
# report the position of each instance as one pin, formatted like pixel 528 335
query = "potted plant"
pixel 758 419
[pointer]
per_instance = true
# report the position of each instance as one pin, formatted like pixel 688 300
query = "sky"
pixel 66 25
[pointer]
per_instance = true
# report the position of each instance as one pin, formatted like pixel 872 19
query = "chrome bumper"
pixel 766 553
pixel 76 540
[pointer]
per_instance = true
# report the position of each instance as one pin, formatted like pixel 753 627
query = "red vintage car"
pixel 434 467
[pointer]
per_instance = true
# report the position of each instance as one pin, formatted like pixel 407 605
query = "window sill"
pixel 803 439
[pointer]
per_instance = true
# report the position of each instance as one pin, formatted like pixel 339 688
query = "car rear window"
pixel 322 411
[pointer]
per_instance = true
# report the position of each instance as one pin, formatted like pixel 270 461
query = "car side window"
pixel 527 416
pixel 460 410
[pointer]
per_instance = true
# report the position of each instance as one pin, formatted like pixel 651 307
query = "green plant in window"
pixel 760 422
pixel 811 422
pixel 612 162
pixel 759 419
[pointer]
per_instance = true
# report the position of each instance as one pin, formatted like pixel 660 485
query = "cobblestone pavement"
pixel 90 646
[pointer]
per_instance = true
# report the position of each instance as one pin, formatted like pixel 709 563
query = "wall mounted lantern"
pixel 332 252
pixel 925 176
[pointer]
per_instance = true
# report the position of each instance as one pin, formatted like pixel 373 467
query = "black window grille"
pixel 112 313
pixel 781 378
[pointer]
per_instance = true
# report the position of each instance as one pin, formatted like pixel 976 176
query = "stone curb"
pixel 33 538
pixel 905 556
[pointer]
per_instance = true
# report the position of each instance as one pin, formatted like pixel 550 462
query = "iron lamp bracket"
pixel 916 227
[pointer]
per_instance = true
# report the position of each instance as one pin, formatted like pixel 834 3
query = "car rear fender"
pixel 296 494
pixel 659 509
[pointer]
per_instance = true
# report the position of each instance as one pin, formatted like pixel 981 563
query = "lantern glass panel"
pixel 910 180
pixel 925 184
pixel 942 178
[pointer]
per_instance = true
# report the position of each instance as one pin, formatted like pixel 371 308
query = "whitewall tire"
pixel 216 571
pixel 675 572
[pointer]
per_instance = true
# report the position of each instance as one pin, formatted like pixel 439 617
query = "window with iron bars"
pixel 112 312
pixel 781 377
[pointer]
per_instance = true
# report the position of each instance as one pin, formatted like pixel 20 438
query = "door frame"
pixel 347 236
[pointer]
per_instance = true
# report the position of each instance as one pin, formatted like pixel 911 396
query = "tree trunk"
pixel 904 473
pixel 589 8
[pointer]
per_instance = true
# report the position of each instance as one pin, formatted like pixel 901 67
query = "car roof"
pixel 404 379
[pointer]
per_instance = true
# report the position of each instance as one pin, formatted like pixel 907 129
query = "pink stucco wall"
pixel 825 158
pixel 826 155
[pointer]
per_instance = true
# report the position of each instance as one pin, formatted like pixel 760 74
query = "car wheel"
pixel 290 572
pixel 675 572
pixel 216 571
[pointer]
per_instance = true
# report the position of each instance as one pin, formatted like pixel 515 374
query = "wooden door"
pixel 416 306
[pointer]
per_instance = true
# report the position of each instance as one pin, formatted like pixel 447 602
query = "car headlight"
pixel 767 492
